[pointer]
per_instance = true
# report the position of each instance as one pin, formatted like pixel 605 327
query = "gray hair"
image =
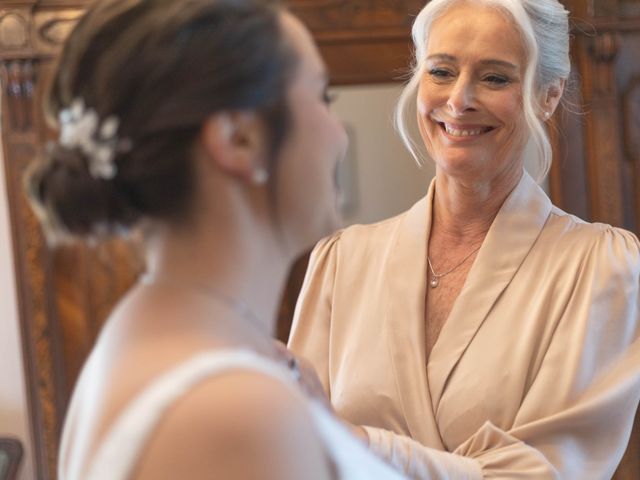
pixel 544 26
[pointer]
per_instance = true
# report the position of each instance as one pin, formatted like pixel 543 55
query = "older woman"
pixel 484 333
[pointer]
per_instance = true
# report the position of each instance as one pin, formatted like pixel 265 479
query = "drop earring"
pixel 260 176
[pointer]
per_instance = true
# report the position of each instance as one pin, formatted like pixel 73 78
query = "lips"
pixel 462 131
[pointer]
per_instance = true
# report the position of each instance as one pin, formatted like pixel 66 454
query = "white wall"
pixel 384 180
pixel 13 400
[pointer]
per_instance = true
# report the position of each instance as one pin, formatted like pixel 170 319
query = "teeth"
pixel 462 133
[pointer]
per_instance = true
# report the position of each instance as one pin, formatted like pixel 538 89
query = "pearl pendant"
pixel 435 282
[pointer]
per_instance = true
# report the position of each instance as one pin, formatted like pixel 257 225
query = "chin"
pixel 460 164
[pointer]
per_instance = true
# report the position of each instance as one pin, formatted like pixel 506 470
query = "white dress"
pixel 117 456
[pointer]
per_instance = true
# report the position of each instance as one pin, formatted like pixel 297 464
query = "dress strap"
pixel 120 450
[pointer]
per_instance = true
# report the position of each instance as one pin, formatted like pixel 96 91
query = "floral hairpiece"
pixel 80 127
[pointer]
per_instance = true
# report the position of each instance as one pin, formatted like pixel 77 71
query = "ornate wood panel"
pixel 361 41
pixel 595 174
pixel 596 171
pixel 64 295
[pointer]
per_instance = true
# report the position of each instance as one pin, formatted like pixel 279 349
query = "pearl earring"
pixel 547 115
pixel 260 176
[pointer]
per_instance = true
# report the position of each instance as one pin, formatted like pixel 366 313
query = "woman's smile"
pixel 464 132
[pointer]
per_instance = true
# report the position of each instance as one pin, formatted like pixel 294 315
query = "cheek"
pixel 425 101
pixel 517 124
pixel 316 147
pixel 508 107
pixel 514 137
pixel 325 133
pixel 426 127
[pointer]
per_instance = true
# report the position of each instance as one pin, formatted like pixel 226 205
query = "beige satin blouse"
pixel 536 373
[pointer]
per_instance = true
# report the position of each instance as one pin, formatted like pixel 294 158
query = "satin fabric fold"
pixel 535 374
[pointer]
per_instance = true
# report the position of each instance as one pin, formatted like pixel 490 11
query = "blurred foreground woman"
pixel 205 125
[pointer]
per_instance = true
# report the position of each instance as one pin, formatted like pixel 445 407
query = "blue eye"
pixel 497 80
pixel 439 73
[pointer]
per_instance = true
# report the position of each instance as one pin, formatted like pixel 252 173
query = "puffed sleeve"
pixel 312 317
pixel 575 420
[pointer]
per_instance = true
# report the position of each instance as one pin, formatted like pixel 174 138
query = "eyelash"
pixel 439 72
pixel 328 97
pixel 496 80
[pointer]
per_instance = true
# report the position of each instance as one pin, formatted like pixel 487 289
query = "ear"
pixel 236 143
pixel 551 98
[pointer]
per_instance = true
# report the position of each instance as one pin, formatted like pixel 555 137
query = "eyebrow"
pixel 489 62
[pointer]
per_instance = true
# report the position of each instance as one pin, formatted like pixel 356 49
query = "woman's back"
pixel 150 333
pixel 170 392
pixel 237 424
pixel 227 167
pixel 229 414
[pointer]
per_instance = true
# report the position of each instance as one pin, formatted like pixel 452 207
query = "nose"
pixel 461 97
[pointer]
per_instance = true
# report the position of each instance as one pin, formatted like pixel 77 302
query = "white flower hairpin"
pixel 81 128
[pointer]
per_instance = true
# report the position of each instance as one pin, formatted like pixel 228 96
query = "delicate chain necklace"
pixel 233 304
pixel 435 277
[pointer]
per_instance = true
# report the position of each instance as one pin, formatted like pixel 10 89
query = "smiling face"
pixel 469 102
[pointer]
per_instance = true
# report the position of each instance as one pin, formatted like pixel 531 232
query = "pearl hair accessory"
pixel 81 128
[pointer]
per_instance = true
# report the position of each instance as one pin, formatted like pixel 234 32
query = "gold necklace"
pixel 435 277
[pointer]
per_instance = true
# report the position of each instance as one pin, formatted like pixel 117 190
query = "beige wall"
pixel 385 179
pixel 13 402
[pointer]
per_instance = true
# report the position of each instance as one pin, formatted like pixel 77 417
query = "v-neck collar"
pixel 509 240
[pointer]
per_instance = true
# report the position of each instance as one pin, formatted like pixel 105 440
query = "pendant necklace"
pixel 435 277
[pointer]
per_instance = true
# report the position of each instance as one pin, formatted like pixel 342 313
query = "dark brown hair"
pixel 161 67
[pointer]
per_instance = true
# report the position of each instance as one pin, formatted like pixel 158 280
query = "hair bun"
pixel 71 201
pixel 134 84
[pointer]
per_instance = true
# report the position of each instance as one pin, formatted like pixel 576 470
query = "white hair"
pixel 544 27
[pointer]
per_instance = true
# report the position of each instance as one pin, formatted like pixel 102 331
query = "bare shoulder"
pixel 241 426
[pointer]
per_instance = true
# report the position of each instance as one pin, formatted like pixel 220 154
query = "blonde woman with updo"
pixel 484 333
pixel 204 124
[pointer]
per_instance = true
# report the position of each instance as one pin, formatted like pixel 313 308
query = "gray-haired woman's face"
pixel 470 110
